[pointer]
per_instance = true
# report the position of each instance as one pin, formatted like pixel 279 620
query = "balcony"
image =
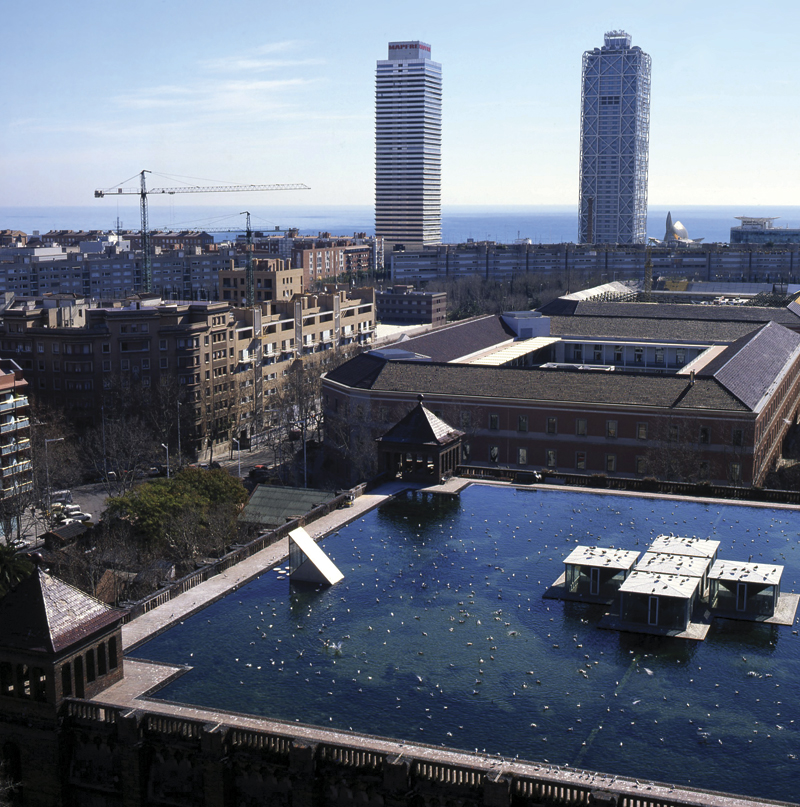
pixel 8 406
pixel 14 425
pixel 18 468
pixel 16 489
pixel 12 448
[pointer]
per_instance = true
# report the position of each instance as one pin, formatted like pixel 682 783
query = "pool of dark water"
pixel 439 633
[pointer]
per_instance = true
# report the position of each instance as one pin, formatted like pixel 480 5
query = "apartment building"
pixel 570 262
pixel 402 304
pixel 16 469
pixel 274 279
pixel 75 353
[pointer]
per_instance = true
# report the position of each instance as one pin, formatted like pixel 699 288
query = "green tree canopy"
pixel 182 515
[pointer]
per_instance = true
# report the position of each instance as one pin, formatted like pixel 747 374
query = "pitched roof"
pixel 752 366
pixel 682 311
pixel 421 427
pixel 460 339
pixel 45 614
pixel 556 385
pixel 656 330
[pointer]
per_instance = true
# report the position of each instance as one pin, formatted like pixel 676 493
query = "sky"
pixel 264 92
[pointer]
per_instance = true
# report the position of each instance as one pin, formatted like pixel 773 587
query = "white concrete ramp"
pixel 308 563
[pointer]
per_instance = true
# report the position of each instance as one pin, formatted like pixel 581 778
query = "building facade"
pixel 401 304
pixel 408 146
pixel 574 264
pixel 615 130
pixel 761 231
pixel 221 361
pixel 16 469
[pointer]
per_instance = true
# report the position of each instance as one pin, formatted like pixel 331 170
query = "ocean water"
pixel 439 633
pixel 504 224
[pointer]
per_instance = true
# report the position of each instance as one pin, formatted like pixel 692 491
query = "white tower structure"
pixel 615 131
pixel 408 146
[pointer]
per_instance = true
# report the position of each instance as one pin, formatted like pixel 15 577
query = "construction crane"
pixel 143 192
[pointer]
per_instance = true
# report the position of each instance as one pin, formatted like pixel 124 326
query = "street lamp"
pixel 47 467
pixel 238 455
pixel 179 434
pixel 166 448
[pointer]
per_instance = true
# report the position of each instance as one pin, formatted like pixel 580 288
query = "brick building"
pixel 668 391
pixel 15 444
pixel 401 304
pixel 274 279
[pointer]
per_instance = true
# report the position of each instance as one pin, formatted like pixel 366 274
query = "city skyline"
pixel 96 96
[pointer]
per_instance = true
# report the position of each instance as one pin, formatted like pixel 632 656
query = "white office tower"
pixel 408 147
pixel 615 130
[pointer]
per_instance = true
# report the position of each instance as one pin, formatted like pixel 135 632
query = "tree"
pixel 183 517
pixel 14 567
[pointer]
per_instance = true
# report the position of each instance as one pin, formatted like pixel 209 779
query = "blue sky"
pixel 263 92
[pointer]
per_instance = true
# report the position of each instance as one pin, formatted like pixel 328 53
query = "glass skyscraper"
pixel 615 131
pixel 408 146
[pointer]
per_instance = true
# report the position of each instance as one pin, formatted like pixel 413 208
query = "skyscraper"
pixel 615 130
pixel 408 146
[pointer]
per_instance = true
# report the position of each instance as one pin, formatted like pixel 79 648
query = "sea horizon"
pixel 545 224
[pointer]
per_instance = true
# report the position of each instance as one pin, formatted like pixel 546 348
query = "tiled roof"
pixel 585 387
pixel 658 330
pixel 703 313
pixel 360 372
pixel 45 614
pixel 421 427
pixel 460 339
pixel 751 367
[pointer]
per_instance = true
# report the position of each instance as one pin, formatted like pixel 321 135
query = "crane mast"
pixel 143 193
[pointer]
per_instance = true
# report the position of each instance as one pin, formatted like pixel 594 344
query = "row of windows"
pixel 673 433
pixel 609 462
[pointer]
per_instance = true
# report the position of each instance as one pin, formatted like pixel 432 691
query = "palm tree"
pixel 14 567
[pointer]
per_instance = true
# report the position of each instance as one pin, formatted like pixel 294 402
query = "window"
pixel 466 419
pixel 659 355
pixel 125 364
pixel 106 347
pixel 580 460
pixel 522 456
pixel 673 433
pixel 580 427
pixel 552 425
pixel 40 347
pixel 465 452
pixel 611 462
pixel 56 366
pixel 107 365
pixel 145 364
pixel 598 354
pixel 680 357
pixel 163 363
pixel 704 471
pixel 641 431
pixel 738 437
pixel 638 355
pixel 41 365
pixel 641 465
pixel 705 435
pixel 551 458
pixel 618 354
pixel 494 422
pixel 577 353
pixel 522 423
pixel 494 453
pixel 162 344
pixel 611 428
pixel 56 347
pixel 735 472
